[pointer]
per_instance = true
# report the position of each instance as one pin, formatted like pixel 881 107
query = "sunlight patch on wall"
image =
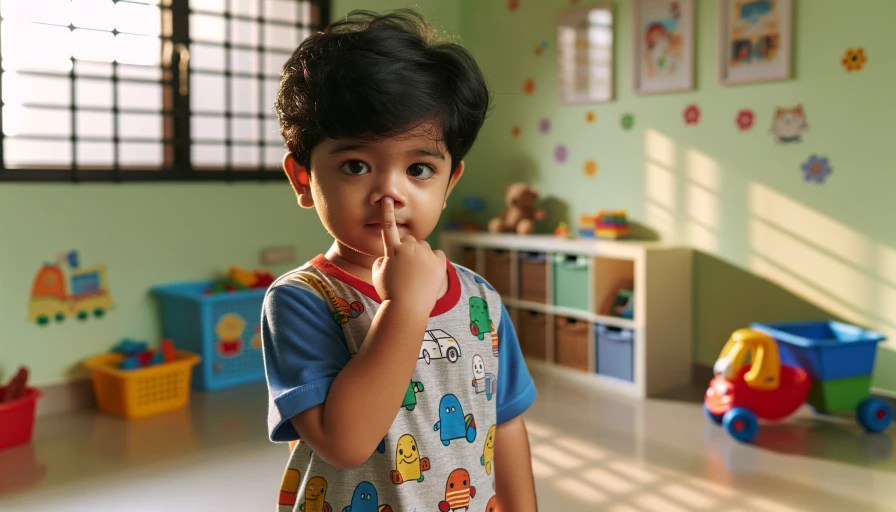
pixel 808 224
pixel 703 170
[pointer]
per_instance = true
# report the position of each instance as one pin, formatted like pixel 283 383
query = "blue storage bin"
pixel 225 328
pixel 827 350
pixel 615 352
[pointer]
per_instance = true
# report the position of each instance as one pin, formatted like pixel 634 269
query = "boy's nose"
pixel 389 184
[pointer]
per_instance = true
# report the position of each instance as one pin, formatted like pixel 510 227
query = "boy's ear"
pixel 298 178
pixel 458 172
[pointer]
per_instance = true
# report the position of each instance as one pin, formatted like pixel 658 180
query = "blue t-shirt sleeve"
pixel 516 391
pixel 304 350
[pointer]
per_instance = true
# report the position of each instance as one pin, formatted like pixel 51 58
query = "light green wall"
pixel 145 234
pixel 772 245
pixel 444 15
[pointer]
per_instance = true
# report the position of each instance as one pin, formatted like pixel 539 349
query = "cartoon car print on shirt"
pixel 409 465
pixel 453 424
pixel 316 496
pixel 458 491
pixel 438 344
pixel 365 499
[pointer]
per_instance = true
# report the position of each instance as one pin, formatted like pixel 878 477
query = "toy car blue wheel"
pixel 741 423
pixel 874 415
pixel 715 418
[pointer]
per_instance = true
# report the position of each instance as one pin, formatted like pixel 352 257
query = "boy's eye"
pixel 355 168
pixel 420 171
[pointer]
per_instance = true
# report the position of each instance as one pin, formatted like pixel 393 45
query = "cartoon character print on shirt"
pixel 365 499
pixel 481 323
pixel 488 450
pixel 289 487
pixel 458 491
pixel 409 465
pixel 492 505
pixel 483 382
pixel 316 496
pixel 453 424
pixel 343 311
pixel 410 396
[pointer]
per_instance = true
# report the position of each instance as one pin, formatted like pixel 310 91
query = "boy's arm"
pixel 366 395
pixel 514 484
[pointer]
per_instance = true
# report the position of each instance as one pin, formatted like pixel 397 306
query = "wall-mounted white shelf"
pixel 581 278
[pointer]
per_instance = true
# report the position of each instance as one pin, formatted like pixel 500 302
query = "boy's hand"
pixel 410 272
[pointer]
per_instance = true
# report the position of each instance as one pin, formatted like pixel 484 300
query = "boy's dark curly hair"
pixel 373 76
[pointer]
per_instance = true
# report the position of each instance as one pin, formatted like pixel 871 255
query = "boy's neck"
pixel 353 262
pixel 361 265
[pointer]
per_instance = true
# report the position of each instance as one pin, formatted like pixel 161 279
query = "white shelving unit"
pixel 660 275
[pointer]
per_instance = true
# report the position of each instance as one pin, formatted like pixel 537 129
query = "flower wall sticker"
pixel 544 126
pixel 513 5
pixel 854 59
pixel 590 117
pixel 691 114
pixel 561 153
pixel 529 86
pixel 817 169
pixel 515 131
pixel 627 121
pixel 590 168
pixel 745 119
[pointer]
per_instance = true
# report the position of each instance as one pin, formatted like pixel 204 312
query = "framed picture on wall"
pixel 585 54
pixel 754 40
pixel 663 45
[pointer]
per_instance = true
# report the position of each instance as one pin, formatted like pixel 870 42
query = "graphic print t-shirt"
pixel 438 454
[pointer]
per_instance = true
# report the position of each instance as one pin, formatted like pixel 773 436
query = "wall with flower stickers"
pixel 783 187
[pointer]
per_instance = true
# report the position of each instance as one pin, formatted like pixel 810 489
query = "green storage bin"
pixel 839 394
pixel 571 285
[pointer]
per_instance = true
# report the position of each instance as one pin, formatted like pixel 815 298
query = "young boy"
pixel 399 373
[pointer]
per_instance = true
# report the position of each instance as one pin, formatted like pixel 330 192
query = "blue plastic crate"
pixel 827 350
pixel 225 328
pixel 615 352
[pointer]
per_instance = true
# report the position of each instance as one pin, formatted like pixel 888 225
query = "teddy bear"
pixel 521 214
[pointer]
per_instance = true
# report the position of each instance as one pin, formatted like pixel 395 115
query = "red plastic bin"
pixel 17 418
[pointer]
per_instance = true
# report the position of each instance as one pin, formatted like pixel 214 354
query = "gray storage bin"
pixel 615 352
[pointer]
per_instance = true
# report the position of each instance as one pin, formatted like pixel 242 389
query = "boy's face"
pixel 349 178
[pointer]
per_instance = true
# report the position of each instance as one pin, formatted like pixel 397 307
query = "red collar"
pixel 443 305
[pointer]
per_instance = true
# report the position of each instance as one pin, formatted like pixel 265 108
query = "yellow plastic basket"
pixel 133 394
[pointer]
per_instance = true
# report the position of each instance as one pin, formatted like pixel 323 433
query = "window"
pixel 123 90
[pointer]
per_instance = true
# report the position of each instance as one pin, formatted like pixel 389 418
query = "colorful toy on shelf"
pixel 241 279
pixel 521 213
pixel 612 224
pixel 827 364
pixel 562 230
pixel 587 226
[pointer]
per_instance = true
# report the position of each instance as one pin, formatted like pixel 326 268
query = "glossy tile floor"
pixel 591 451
